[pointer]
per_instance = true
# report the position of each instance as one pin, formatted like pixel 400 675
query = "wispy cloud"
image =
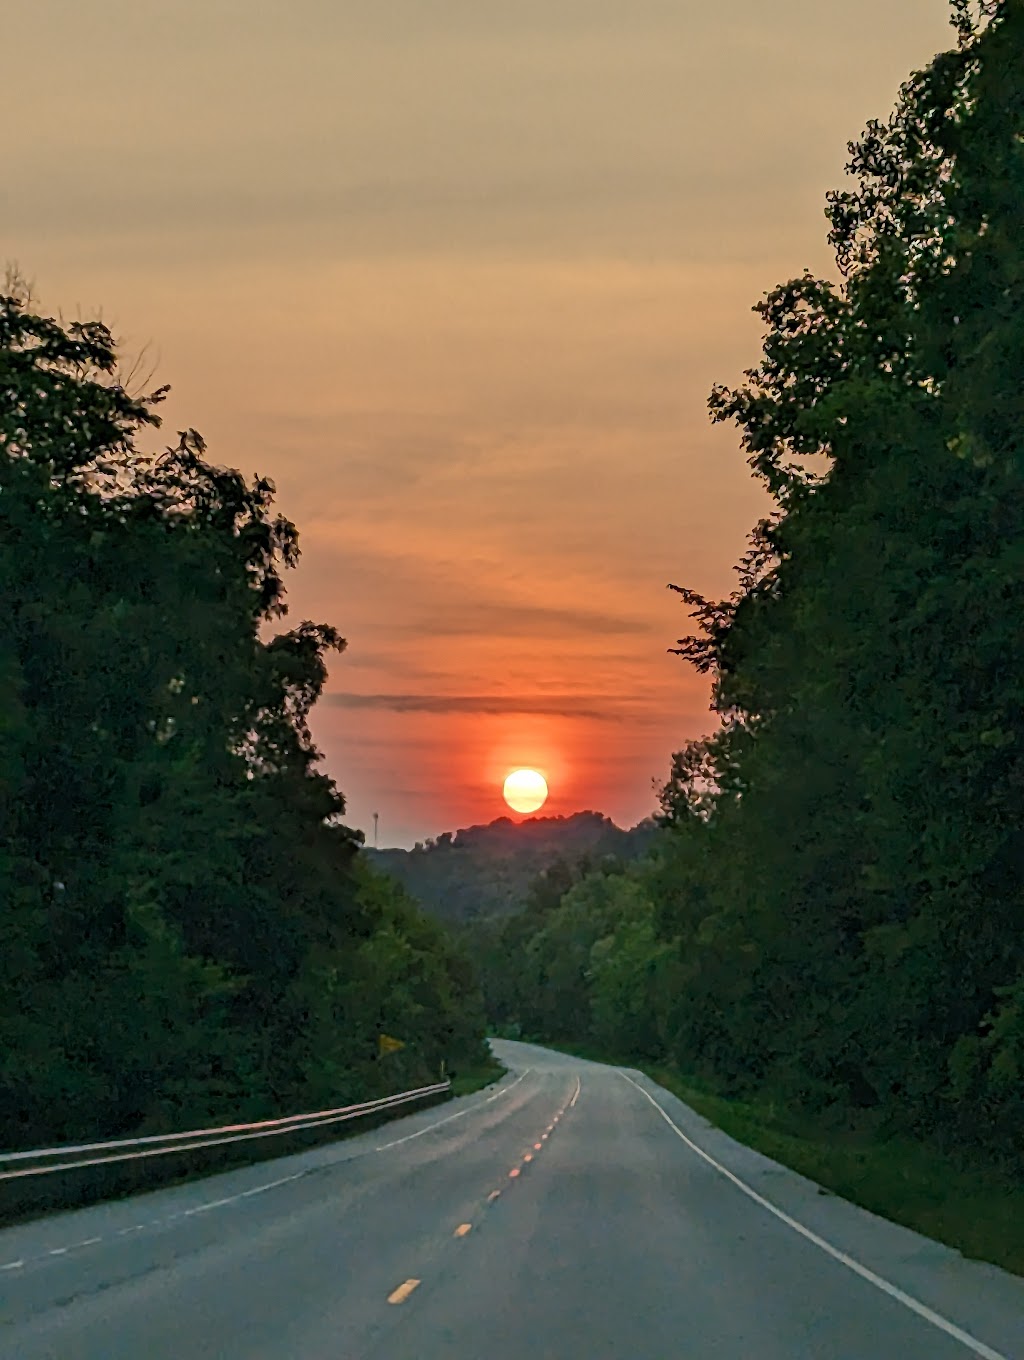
pixel 595 707
pixel 509 619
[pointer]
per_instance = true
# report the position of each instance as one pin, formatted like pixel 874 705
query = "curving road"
pixel 575 1210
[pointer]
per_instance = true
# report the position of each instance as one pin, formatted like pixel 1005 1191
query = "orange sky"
pixel 458 276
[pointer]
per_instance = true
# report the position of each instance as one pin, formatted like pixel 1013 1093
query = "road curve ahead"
pixel 575 1210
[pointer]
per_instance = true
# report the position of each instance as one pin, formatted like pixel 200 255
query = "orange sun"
pixel 525 790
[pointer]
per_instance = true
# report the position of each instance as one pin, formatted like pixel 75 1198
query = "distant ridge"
pixel 482 871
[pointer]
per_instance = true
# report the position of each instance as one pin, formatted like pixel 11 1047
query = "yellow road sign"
pixel 388 1045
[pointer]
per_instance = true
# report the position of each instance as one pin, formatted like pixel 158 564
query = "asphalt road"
pixel 565 1213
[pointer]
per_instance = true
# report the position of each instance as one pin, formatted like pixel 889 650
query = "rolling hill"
pixel 485 871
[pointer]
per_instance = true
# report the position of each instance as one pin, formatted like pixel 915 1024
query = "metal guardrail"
pixel 48 1161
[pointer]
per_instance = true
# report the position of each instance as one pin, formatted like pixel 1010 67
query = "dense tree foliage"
pixel 480 872
pixel 184 930
pixel 835 911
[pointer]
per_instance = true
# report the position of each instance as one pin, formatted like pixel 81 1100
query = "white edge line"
pixel 576 1093
pixel 457 1115
pixel 420 1132
pixel 242 1194
pixel 921 1309
pixel 505 1089
pixel 272 1185
pixel 158 1222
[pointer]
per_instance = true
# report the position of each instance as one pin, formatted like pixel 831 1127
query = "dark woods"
pixel 185 933
pixel 834 913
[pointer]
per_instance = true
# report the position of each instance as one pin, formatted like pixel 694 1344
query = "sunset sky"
pixel 458 275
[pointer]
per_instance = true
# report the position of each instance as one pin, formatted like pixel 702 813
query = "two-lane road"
pixel 573 1211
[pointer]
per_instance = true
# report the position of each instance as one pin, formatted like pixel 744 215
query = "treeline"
pixel 186 930
pixel 834 912
pixel 481 872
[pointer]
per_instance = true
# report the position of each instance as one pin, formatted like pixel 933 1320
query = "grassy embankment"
pixel 978 1209
pixel 465 1083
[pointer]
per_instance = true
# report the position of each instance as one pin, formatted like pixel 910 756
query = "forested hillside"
pixel 185 931
pixel 483 872
pixel 833 914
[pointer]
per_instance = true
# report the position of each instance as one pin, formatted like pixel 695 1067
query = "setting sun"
pixel 525 790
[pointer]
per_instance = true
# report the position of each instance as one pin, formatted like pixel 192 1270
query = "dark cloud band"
pixel 593 707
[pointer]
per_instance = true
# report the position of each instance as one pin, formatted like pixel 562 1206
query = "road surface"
pixel 575 1210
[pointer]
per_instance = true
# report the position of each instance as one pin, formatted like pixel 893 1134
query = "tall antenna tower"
pixel 376 815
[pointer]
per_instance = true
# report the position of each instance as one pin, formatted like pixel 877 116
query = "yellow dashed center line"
pixel 403 1291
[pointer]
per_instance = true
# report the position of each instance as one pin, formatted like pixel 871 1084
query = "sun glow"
pixel 525 790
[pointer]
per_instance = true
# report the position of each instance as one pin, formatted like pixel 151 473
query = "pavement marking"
pixel 528 1157
pixel 576 1094
pixel 457 1115
pixel 463 1229
pixel 270 1185
pixel 495 1194
pixel 13 1265
pixel 170 1218
pixel 537 1147
pixel 543 1138
pixel 429 1129
pixel 513 1173
pixel 505 1089
pixel 894 1292
pixel 233 1199
pixel 403 1291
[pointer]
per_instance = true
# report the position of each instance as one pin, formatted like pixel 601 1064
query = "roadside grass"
pixel 974 1207
pixel 465 1083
